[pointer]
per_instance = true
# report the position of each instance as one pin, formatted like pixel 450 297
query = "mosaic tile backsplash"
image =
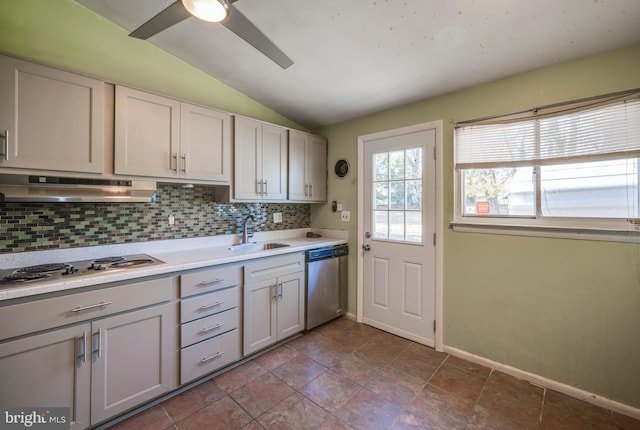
pixel 41 226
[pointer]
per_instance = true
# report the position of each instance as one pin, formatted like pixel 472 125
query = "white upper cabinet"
pixel 50 119
pixel 260 161
pixel 307 167
pixel 161 137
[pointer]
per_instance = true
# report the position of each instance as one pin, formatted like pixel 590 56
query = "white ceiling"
pixel 355 57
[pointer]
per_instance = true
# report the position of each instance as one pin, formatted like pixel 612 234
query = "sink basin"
pixel 274 245
pixel 253 246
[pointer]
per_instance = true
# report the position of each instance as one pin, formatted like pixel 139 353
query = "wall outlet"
pixel 172 219
pixel 345 216
pixel 277 217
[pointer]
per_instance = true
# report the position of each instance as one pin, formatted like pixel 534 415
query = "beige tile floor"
pixel 346 375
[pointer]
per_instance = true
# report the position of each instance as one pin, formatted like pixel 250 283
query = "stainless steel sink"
pixel 254 246
pixel 274 245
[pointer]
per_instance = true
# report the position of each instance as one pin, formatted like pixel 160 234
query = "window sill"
pixel 629 235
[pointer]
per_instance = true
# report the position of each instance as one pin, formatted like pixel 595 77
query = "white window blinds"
pixel 588 132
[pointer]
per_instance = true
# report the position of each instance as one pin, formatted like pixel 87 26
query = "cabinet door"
pixel 49 370
pixel 205 144
pixel 298 187
pixel 316 167
pixel 274 162
pixel 247 159
pixel 290 301
pixel 147 134
pixel 54 119
pixel 259 315
pixel 132 360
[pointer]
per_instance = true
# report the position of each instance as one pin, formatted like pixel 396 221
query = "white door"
pixel 398 225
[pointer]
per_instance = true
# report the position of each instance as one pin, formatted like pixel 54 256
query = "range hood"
pixel 25 188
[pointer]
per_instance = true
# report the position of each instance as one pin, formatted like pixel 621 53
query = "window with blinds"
pixel 575 161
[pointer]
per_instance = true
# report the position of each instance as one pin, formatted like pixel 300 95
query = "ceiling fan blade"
pixel 245 29
pixel 169 16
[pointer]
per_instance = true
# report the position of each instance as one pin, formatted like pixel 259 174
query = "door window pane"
pixel 413 226
pixel 382 195
pixel 381 166
pixel 396 165
pixel 381 225
pixel 414 195
pixel 396 189
pixel 396 225
pixel 413 164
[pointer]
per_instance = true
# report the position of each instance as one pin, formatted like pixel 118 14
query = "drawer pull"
pixel 207 359
pixel 213 305
pixel 86 308
pixel 208 329
pixel 213 281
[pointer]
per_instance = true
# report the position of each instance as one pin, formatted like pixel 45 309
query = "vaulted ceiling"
pixel 355 57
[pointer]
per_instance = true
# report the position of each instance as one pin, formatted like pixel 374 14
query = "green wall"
pixel 65 34
pixel 568 310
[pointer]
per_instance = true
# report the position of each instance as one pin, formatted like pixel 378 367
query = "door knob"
pixel 366 248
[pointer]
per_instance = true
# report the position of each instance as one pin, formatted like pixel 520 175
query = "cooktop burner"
pixel 52 271
pixel 42 268
pixel 107 260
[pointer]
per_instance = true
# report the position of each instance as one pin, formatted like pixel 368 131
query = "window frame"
pixel 538 225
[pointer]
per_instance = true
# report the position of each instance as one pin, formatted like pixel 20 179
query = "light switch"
pixel 277 217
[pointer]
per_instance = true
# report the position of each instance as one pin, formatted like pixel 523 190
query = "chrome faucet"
pixel 245 234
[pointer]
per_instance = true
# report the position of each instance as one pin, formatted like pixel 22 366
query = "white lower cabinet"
pixel 209 320
pixel 273 300
pixel 98 368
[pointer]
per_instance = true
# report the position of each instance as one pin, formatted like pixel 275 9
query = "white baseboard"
pixel 547 383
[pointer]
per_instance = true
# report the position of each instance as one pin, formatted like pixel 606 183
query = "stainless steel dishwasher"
pixel 326 290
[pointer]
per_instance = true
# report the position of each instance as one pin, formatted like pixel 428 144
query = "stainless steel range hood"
pixel 25 188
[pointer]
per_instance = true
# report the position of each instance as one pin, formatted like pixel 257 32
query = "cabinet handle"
pixel 207 359
pixel 280 291
pixel 213 281
pixel 184 164
pixel 258 187
pixel 205 307
pixel 310 190
pixel 5 145
pixel 174 163
pixel 265 188
pixel 83 344
pixel 86 308
pixel 274 292
pixel 98 349
pixel 208 329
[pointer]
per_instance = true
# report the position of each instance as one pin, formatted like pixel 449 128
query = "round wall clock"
pixel 342 168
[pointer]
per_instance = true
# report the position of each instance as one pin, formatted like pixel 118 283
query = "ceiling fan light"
pixel 207 10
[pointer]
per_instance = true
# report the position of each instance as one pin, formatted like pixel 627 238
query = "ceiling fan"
pixel 221 11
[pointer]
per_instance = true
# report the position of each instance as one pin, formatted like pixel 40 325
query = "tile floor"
pixel 346 375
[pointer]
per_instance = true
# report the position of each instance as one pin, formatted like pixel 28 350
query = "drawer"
pixel 209 304
pixel 205 357
pixel 272 267
pixel 29 317
pixel 211 279
pixel 204 328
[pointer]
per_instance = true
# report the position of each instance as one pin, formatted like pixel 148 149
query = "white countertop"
pixel 177 255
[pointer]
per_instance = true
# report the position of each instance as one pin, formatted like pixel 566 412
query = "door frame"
pixel 438 228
